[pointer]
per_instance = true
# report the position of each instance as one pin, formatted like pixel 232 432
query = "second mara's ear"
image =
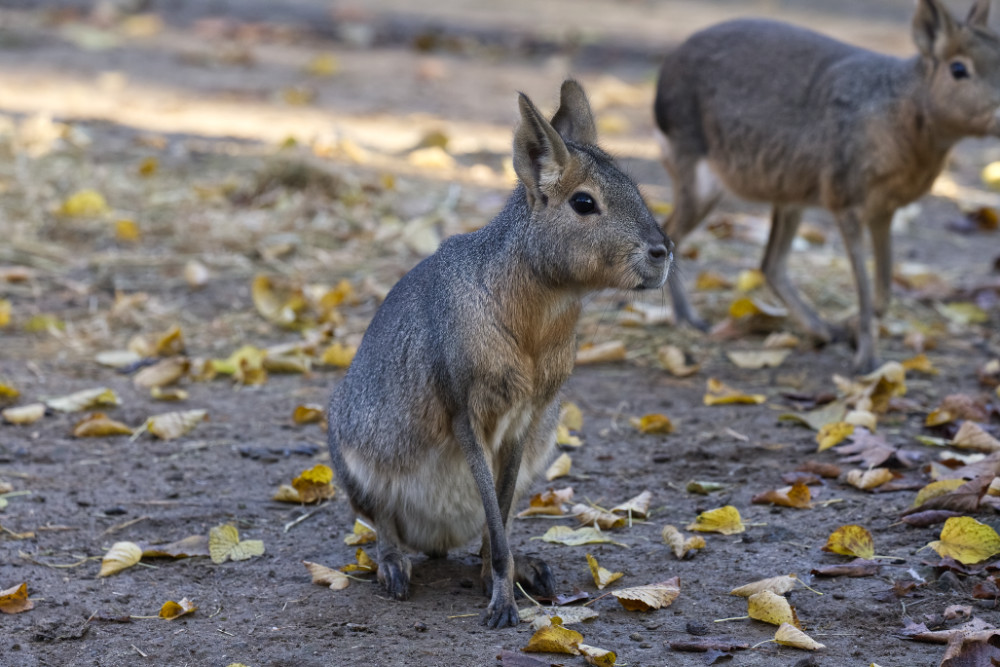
pixel 979 14
pixel 934 28
pixel 574 120
pixel 540 155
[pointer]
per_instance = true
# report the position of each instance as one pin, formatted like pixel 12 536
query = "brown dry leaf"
pixel 673 359
pixel 818 418
pixel 757 359
pixel 789 635
pixel 597 656
pixel 797 495
pixel 680 545
pixel 163 373
pixel 957 406
pixel 549 503
pixel 338 355
pixel 602 576
pixel 554 638
pixel 171 610
pixel 771 608
pixel 364 564
pixel 308 414
pixel 327 576
pixel 725 520
pixel 967 541
pixel 574 538
pixel 87 399
pixel 777 585
pixel 649 597
pixel 710 280
pixel 15 600
pixel 873 392
pixel 833 434
pixel 920 364
pixel 189 547
pixel 871 450
pixel 99 425
pixel 292 362
pixel 121 556
pixel 559 468
pixel 170 425
pixel 851 540
pixel 964 498
pixel 24 414
pixel 719 394
pixel 653 423
pixel 637 507
pixel 360 534
pixel 867 480
pixel 613 350
pixel 972 436
pixel 224 544
pixel 592 516
pixel 169 344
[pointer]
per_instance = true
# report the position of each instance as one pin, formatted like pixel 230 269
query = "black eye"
pixel 959 70
pixel 583 203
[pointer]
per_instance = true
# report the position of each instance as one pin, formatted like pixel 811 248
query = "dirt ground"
pixel 257 138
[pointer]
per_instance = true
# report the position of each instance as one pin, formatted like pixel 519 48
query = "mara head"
pixel 589 227
pixel 963 59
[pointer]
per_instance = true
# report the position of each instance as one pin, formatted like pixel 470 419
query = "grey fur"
pixel 448 411
pixel 783 115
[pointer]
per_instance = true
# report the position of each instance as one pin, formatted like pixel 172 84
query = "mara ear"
pixel 933 28
pixel 574 121
pixel 540 155
pixel 979 14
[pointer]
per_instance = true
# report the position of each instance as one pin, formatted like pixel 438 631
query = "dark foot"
pixel 394 575
pixel 502 610
pixel 534 575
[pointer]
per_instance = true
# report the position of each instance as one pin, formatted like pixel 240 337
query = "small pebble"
pixel 636 637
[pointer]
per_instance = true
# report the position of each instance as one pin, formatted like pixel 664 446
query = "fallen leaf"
pixel 673 359
pixel 554 638
pixel 308 414
pixel 171 610
pixel 920 364
pixel 163 373
pixel 833 434
pixel 710 280
pixel 364 564
pixel 602 576
pixel 559 468
pixel 746 306
pixel 571 416
pixel 771 608
pixel 314 484
pixel 637 507
pixel 725 520
pixel 781 339
pixel 24 414
pixel 967 541
pixel 574 538
pixel 749 280
pixel 15 600
pixel 117 358
pixel 278 300
pixel 224 544
pixel 703 488
pixel 720 394
pixel 171 394
pixel 777 585
pixel 869 479
pixel 649 597
pixel 170 425
pixel 603 352
pixel 789 635
pixel 928 517
pixel 972 436
pixel 121 556
pixel 549 503
pixel 653 423
pixel 592 516
pixel 831 412
pixel 87 399
pixel 963 313
pixel 796 495
pixel 84 204
pixel 568 615
pixel 338 355
pixel 327 576
pixel 360 534
pixel 5 310
pixel 851 540
pixel 597 656
pixel 859 567
pixel 757 359
pixel 99 425
pixel 679 544
pixel 935 489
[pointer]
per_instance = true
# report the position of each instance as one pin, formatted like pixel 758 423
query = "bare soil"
pixel 214 97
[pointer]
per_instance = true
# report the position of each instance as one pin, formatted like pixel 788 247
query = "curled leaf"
pixel 171 610
pixel 121 556
pixel 170 425
pixel 360 534
pixel 972 436
pixel 569 537
pixel 597 656
pixel 649 597
pixel 721 394
pixel 99 425
pixel 777 585
pixel 679 544
pixel 592 516
pixel 163 373
pixel 869 479
pixel 549 503
pixel 771 608
pixel 725 520
pixel 798 495
pixel 327 576
pixel 789 635
pixel 757 359
pixel 87 399
pixel 559 468
pixel 613 350
pixel 635 507
pixel 554 638
pixel 15 600
pixel 654 423
pixel 24 414
pixel 833 434
pixel 673 359
pixel 602 576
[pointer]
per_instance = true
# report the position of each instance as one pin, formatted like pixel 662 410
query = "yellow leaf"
pixel 127 230
pixel 44 322
pixel 148 166
pixel 170 425
pixel 920 364
pixel 308 414
pixel 963 313
pixel 597 656
pixel 673 359
pixel 431 157
pixel 245 364
pixel 327 576
pixel 121 556
pixel 24 414
pixel 571 416
pixel 591 516
pixel 777 585
pixel 224 544
pixel 720 394
pixel 746 306
pixel 554 638
pixel 649 597
pixel 85 400
pixel 771 608
pixel 869 479
pixel 966 540
pixel 171 610
pixel 549 503
pixel 574 538
pixel 15 600
pixel 277 301
pixel 637 507
pixel 833 434
pixel 935 489
pixel 163 373
pixel 339 355
pixel 99 425
pixel 566 439
pixel 710 280
pixel 559 468
pixel 749 280
pixel 789 635
pixel 170 343
pixel 364 564
pixel 653 423
pixel 939 416
pixel 972 436
pixel 8 392
pixel 851 540
pixel 604 352
pixel 84 204
pixel 862 418
pixel 757 359
pixel 314 484
pixel 725 520
pixel 168 394
pixel 5 310
pixel 323 64
pixel 797 495
pixel 361 534
pixel 680 545
pixel 602 576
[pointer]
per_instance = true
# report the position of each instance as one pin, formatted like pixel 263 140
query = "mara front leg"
pixel 852 229
pixel 880 228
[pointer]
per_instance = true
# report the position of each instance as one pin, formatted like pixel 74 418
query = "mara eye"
pixel 583 203
pixel 959 70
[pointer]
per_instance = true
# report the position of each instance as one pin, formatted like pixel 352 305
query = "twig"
pixel 122 526
pixel 292 524
pixel 139 651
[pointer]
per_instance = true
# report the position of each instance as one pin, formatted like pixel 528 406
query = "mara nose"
pixel 658 253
